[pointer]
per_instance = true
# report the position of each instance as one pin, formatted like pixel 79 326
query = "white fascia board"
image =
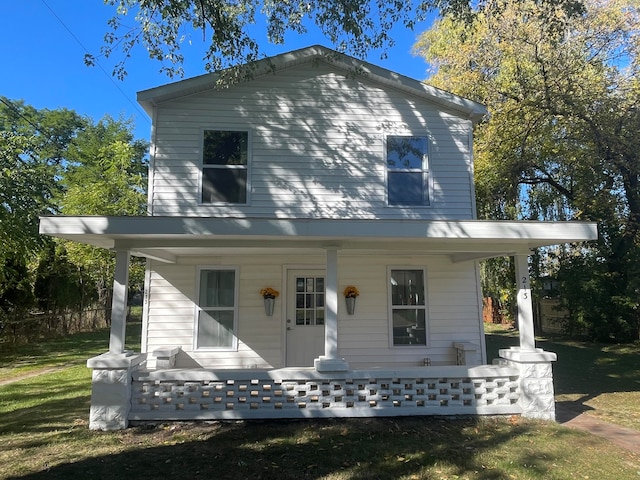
pixel 149 228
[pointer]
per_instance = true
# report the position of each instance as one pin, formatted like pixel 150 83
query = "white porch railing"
pixel 304 392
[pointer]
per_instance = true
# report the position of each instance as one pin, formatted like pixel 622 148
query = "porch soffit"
pixel 164 238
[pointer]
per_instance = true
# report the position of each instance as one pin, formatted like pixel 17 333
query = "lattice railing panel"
pixel 371 396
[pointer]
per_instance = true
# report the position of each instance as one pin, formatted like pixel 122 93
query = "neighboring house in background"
pixel 318 173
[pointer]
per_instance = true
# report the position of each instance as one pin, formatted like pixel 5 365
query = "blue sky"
pixel 44 42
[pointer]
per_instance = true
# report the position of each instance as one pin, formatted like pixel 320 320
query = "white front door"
pixel 305 316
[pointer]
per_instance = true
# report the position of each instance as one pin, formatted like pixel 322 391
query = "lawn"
pixel 602 380
pixel 44 434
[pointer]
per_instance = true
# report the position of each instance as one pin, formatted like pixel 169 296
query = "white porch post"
pixel 330 362
pixel 536 375
pixel 119 302
pixel 525 305
pixel 112 371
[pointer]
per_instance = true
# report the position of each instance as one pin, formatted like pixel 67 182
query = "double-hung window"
pixel 217 309
pixel 408 306
pixel 407 170
pixel 225 166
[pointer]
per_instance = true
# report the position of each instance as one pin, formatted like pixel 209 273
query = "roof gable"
pixel 461 106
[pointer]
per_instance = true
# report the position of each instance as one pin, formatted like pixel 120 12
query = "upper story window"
pixel 225 166
pixel 407 170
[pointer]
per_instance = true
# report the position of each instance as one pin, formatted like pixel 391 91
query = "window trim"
pixel 198 308
pixel 202 166
pixel 390 307
pixel 427 177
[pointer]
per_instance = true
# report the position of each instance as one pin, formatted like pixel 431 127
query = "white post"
pixel 331 306
pixel 536 394
pixel 329 361
pixel 112 375
pixel 525 305
pixel 119 303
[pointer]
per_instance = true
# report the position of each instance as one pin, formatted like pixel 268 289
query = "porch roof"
pixel 165 238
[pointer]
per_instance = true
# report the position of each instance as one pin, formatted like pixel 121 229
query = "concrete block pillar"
pixel 111 389
pixel 535 381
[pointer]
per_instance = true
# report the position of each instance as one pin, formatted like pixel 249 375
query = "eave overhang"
pixel 166 238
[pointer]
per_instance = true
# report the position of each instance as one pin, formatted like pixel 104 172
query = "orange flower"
pixel 268 292
pixel 351 291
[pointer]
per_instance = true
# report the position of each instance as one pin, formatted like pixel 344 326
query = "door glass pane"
pixel 310 300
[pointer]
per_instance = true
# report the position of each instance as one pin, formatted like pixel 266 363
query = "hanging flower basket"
pixel 269 294
pixel 350 294
pixel 351 304
pixel 268 306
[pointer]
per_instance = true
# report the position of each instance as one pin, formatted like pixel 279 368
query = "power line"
pixel 96 62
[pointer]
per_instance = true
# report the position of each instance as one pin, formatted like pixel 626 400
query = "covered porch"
pixel 124 389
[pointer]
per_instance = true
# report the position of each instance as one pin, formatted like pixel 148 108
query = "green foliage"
pixel 106 175
pixel 54 161
pixel 60 284
pixel 562 140
pixel 16 295
pixel 32 146
pixel 353 26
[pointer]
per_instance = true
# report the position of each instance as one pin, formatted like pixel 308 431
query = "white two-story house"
pixel 316 174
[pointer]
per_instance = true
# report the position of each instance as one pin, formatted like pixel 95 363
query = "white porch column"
pixel 525 306
pixel 119 302
pixel 330 362
pixel 536 374
pixel 112 371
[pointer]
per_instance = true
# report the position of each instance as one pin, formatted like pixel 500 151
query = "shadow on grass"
pixel 583 369
pixel 346 448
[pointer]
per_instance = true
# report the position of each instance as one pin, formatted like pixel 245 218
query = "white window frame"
pixel 235 308
pixel 427 181
pixel 202 166
pixel 424 307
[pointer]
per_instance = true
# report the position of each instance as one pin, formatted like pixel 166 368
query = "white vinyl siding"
pixel 452 300
pixel 317 148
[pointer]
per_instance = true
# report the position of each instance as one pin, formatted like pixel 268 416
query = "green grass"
pixel 602 380
pixel 23 359
pixel 44 434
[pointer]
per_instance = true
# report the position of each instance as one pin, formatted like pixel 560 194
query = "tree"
pixel 352 26
pixel 32 146
pixel 55 161
pixel 562 141
pixel 106 174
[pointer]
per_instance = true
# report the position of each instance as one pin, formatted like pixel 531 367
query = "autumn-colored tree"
pixel 562 139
